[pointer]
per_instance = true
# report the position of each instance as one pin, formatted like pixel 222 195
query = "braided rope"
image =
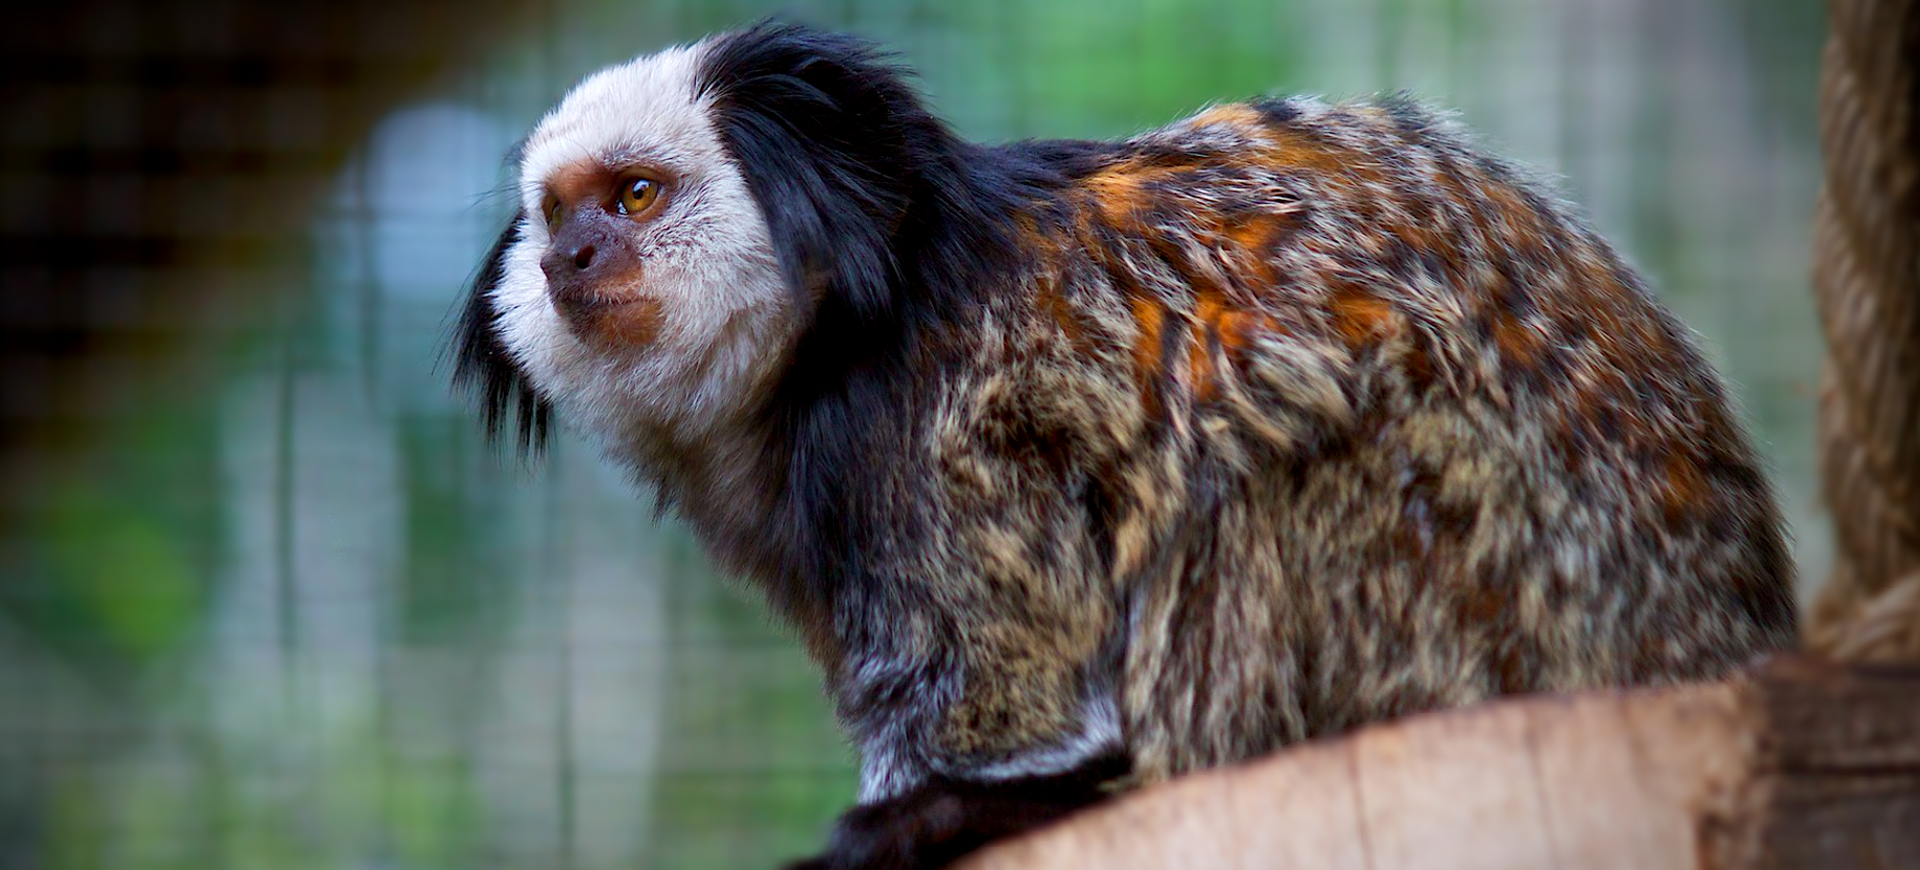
pixel 1866 250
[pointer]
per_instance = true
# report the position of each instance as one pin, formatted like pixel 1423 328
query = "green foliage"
pixel 116 572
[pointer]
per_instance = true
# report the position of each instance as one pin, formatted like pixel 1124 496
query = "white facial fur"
pixel 707 258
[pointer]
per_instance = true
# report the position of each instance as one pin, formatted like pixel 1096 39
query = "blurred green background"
pixel 290 612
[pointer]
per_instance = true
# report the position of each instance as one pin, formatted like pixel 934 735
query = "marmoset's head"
pixel 687 218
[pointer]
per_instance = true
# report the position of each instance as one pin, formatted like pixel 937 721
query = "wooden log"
pixel 1801 764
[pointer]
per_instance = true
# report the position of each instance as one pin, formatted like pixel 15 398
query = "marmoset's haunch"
pixel 1080 465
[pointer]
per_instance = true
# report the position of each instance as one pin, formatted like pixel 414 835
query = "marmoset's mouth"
pixel 596 319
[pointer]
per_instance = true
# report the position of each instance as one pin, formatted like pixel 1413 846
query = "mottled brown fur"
pixel 1075 458
pixel 1377 429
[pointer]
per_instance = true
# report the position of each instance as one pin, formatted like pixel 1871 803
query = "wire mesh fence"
pixel 287 610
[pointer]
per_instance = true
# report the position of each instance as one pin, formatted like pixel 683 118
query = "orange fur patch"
pixel 1238 329
pixel 1151 321
pixel 1519 345
pixel 1120 191
pixel 1209 309
pixel 1361 317
pixel 1230 115
pixel 1293 150
pixel 1685 487
pixel 1047 295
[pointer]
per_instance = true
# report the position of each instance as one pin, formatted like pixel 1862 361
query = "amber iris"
pixel 637 194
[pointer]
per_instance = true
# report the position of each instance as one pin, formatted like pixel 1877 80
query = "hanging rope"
pixel 1867 282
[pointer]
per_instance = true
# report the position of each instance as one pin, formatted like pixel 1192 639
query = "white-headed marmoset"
pixel 1080 465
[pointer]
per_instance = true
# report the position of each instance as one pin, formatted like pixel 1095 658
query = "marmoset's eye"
pixel 637 195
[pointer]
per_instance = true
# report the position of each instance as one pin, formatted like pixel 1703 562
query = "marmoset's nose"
pixel 587 264
pixel 575 249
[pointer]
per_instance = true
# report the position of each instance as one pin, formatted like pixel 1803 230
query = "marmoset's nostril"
pixel 583 257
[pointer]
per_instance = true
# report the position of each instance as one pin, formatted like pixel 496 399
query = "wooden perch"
pixel 1802 764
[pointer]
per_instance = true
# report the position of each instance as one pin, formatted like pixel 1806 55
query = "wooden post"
pixel 1803 764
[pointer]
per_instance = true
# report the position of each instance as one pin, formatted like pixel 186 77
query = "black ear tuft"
pixel 483 365
pixel 832 141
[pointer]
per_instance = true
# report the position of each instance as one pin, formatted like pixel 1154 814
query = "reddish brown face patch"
pixel 582 180
pixel 615 323
pixel 634 323
pixel 594 273
pixel 592 184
